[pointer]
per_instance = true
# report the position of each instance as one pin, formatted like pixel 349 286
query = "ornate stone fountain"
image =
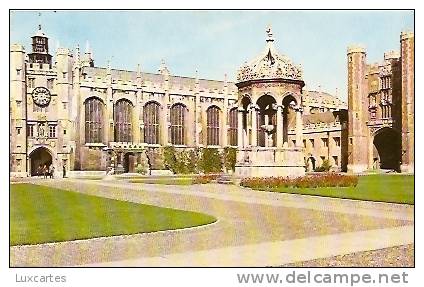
pixel 270 94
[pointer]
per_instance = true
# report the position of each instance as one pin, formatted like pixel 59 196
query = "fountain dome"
pixel 270 64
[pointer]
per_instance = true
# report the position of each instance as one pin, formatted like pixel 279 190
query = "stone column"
pixel 279 127
pixel 141 120
pixel 165 124
pixel 166 104
pixel 197 113
pixel 224 125
pixel 299 127
pixel 139 107
pixel 254 126
pixel 110 122
pixel 240 127
pixel 136 119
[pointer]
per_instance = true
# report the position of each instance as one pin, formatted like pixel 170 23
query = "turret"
pixel 17 109
pixel 88 58
pixel 139 76
pixel 17 81
pixel 357 116
pixel 164 71
pixel 407 46
pixel 40 48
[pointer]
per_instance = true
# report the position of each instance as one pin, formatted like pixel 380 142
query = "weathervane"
pixel 39 21
pixel 269 34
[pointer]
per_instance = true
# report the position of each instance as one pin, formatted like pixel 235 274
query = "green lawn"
pixel 166 181
pixel 386 188
pixel 41 214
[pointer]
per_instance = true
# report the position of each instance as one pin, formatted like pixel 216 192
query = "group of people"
pixel 45 171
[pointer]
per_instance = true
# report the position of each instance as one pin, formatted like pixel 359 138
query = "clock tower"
pixel 41 108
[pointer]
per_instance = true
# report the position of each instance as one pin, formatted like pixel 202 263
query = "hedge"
pixel 199 160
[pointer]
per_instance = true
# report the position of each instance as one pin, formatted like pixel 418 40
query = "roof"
pixel 322 98
pixel 126 75
pixel 325 117
pixel 270 64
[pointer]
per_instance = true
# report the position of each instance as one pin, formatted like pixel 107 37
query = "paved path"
pixel 395 256
pixel 246 219
pixel 279 252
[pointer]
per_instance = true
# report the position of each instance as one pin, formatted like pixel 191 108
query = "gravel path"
pixel 398 256
pixel 238 223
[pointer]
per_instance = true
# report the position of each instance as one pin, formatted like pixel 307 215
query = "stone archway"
pixel 39 158
pixel 387 152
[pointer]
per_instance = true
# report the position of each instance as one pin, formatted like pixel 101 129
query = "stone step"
pixel 224 179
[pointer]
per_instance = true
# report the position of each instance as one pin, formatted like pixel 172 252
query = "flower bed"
pixel 207 178
pixel 311 181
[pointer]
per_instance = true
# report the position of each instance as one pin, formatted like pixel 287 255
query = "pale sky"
pixel 218 42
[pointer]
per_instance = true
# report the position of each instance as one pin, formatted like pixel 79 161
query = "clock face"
pixel 41 96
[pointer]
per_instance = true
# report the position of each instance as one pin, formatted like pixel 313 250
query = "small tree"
pixel 324 167
pixel 169 158
pixel 211 161
pixel 230 157
pixel 143 166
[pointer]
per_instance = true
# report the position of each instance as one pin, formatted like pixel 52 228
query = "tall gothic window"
pixel 177 124
pixel 213 125
pixel 232 130
pixel 93 120
pixel 123 118
pixel 151 123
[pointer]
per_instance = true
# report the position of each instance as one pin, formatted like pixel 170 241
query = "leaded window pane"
pixel 123 121
pixel 151 123
pixel 232 130
pixel 213 125
pixel 177 124
pixel 93 120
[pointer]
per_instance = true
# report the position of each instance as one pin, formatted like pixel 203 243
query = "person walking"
pixel 149 165
pixel 51 171
pixel 45 171
pixel 39 170
pixel 64 170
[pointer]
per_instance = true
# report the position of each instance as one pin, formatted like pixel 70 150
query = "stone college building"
pixel 67 112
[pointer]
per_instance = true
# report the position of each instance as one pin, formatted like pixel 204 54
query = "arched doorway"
pixel 387 152
pixel 266 121
pixel 129 162
pixel 39 158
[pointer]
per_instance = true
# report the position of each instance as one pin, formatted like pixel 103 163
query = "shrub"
pixel 140 168
pixel 169 158
pixel 207 160
pixel 143 166
pixel 312 181
pixel 180 166
pixel 211 161
pixel 230 158
pixel 156 157
pixel 193 161
pixel 324 167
